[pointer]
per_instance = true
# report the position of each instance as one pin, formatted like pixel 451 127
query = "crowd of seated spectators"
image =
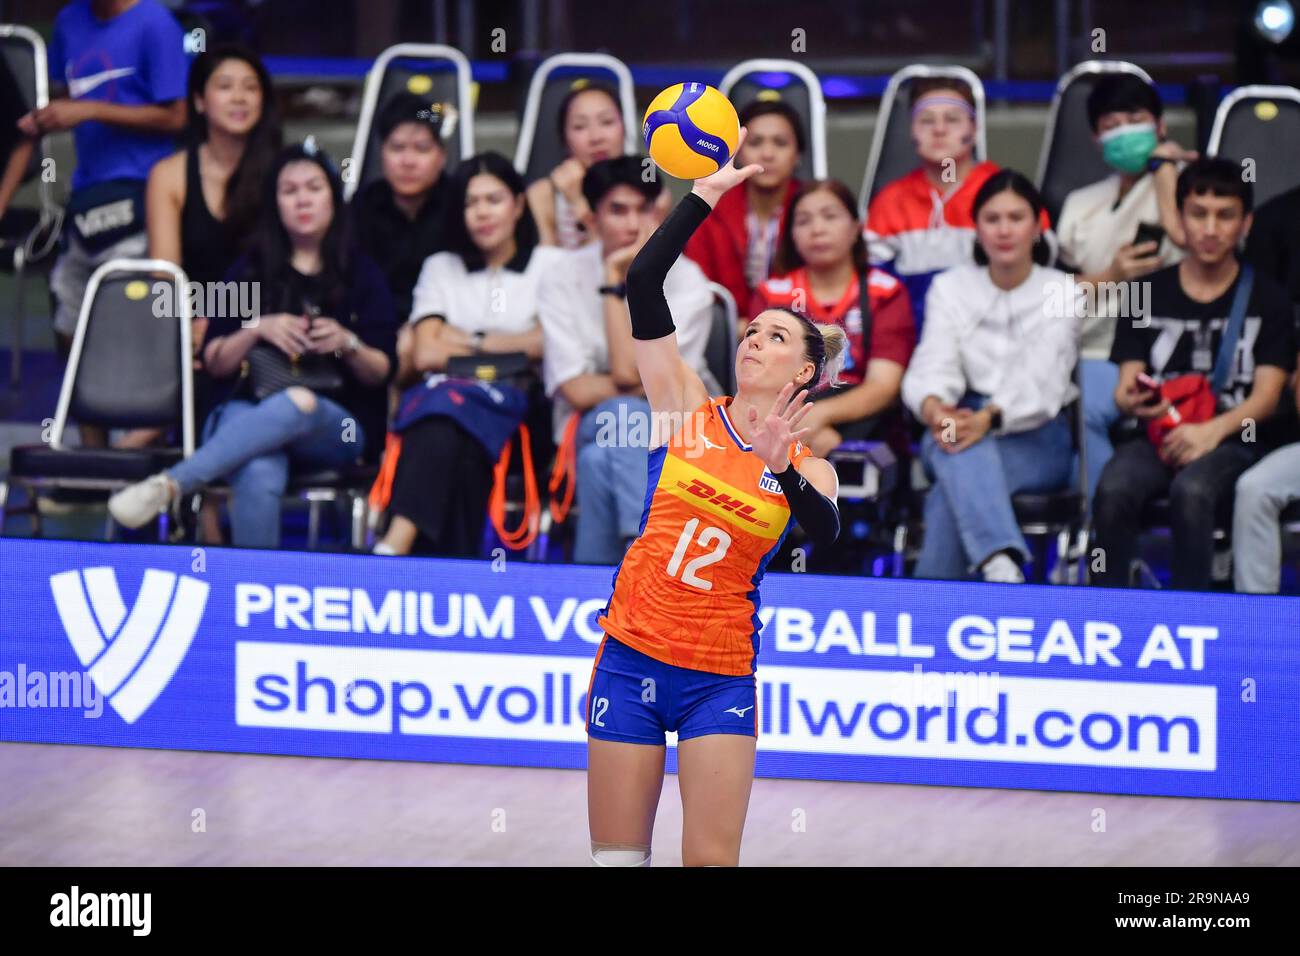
pixel 973 322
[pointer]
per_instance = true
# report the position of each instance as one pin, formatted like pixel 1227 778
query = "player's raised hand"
pixel 771 437
pixel 711 188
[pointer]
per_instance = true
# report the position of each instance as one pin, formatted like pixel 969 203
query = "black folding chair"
pixel 790 82
pixel 440 73
pixel 892 153
pixel 1069 158
pixel 1261 124
pixel 720 350
pixel 128 368
pixel 34 232
pixel 541 148
pixel 1063 513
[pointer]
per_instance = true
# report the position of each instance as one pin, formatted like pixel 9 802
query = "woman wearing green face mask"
pixel 1098 230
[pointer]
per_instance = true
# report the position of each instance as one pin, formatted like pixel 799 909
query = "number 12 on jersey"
pixel 715 537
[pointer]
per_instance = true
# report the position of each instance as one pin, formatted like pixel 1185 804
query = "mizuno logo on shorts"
pixel 739 711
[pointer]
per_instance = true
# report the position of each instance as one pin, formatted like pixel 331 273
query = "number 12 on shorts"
pixel 710 536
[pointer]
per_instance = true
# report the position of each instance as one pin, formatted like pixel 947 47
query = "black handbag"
pixel 269 371
pixel 498 368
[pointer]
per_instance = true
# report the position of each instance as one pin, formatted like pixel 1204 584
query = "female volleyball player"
pixel 681 628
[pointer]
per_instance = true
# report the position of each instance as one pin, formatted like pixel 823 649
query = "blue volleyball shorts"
pixel 637 699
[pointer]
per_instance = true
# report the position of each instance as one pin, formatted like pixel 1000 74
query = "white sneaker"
pixel 1001 569
pixel 138 504
pixel 387 550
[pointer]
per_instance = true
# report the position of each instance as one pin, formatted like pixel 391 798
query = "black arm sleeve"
pixel 651 318
pixel 818 515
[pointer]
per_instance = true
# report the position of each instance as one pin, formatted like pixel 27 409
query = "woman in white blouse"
pixel 989 381
pixel 478 298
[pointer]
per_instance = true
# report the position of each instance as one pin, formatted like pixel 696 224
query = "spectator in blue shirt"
pixel 118 69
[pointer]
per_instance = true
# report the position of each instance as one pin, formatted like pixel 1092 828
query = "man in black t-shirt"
pixel 1273 484
pixel 1187 310
pixel 400 216
pixel 1274 241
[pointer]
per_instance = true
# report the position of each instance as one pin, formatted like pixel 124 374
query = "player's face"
pixel 232 98
pixel 305 202
pixel 942 130
pixel 491 211
pixel 771 143
pixel 1214 226
pixel 823 230
pixel 620 216
pixel 593 130
pixel 1007 229
pixel 413 159
pixel 771 353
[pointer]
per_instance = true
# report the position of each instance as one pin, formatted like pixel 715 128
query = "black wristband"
pixel 818 515
pixel 619 290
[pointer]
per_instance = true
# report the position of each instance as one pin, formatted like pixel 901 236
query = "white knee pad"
pixel 618 855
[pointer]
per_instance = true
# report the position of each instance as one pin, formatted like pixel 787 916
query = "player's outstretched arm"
pixel 670 384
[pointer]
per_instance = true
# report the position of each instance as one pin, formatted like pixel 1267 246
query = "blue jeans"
pixel 1099 378
pixel 253 443
pixel 612 462
pixel 968 514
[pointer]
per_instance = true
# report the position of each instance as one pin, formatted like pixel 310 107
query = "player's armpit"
pixel 670 384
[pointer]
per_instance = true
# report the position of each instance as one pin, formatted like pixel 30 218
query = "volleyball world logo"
pixel 131 656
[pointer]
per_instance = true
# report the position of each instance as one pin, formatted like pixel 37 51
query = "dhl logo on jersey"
pixel 706 491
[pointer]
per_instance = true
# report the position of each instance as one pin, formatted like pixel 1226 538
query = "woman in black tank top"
pixel 208 245
pixel 234 134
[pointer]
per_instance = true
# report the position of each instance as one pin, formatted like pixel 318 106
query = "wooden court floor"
pixel 103 806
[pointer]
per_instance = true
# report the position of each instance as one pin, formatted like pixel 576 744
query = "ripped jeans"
pixel 253 445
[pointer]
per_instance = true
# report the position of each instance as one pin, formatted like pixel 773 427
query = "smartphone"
pixel 1149 232
pixel 1150 384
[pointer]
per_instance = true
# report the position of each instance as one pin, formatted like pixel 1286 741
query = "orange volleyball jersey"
pixel 686 592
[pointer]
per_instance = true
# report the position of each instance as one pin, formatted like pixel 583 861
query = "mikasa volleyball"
pixel 690 130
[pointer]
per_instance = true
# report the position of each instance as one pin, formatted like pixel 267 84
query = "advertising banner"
pixel 867 679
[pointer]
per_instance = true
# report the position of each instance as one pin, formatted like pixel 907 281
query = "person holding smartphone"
pixel 306 379
pixel 1118 229
pixel 1197 463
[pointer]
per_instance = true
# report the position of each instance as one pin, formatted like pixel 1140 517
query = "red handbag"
pixel 1191 400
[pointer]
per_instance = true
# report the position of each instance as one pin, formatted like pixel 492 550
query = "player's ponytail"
pixel 835 341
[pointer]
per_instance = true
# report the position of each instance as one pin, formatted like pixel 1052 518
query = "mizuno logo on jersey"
pixel 736 506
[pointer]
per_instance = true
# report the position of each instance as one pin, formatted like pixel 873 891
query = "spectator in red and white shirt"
pixel 922 223
pixel 736 246
pixel 822 262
